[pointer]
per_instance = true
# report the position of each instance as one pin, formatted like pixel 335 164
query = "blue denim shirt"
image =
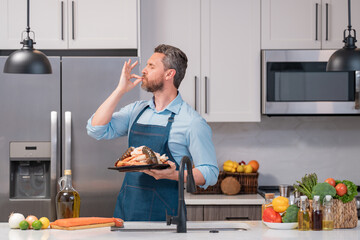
pixel 190 135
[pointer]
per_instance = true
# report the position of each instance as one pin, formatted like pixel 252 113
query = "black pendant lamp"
pixel 346 59
pixel 27 60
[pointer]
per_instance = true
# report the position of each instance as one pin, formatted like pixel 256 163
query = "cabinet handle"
pixel 327 22
pixel 236 218
pixel 357 89
pixel 206 95
pixel 62 20
pixel 73 19
pixel 196 89
pixel 316 21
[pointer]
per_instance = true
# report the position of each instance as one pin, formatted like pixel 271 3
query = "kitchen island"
pixel 257 230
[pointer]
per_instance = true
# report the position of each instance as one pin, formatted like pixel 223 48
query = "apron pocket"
pixel 138 202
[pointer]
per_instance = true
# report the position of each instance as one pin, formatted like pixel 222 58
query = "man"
pixel 167 125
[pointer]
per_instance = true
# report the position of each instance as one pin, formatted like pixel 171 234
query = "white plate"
pixel 281 225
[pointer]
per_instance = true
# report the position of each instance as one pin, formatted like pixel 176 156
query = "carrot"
pixel 81 221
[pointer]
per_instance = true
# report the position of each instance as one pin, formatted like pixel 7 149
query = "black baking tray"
pixel 140 167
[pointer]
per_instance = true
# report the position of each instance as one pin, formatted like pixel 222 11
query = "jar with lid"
pixel 317 214
pixel 328 218
pixel 303 215
pixel 268 202
pixel 67 199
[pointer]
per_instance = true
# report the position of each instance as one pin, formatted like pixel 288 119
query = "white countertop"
pixel 257 231
pixel 222 199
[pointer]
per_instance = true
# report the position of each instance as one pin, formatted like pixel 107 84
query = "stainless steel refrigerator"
pixel 32 136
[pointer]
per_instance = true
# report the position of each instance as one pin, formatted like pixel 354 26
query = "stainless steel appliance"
pixel 32 136
pixel 295 82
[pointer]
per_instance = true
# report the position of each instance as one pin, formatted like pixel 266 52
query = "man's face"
pixel 154 73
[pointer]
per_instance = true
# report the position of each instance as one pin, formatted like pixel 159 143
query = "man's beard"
pixel 153 86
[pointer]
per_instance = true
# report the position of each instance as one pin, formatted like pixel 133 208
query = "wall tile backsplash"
pixel 289 147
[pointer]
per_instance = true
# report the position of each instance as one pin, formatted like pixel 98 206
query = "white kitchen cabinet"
pixel 71 24
pixel 305 24
pixel 222 41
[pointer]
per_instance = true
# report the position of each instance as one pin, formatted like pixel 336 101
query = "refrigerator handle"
pixel 67 140
pixel 53 143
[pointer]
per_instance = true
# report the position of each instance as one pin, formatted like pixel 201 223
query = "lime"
pixel 36 225
pixel 24 225
pixel 45 222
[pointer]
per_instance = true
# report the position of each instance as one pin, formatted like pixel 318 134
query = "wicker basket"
pixel 345 214
pixel 248 182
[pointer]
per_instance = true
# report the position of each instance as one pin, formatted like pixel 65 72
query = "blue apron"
pixel 142 197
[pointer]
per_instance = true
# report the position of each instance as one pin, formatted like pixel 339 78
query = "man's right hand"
pixel 125 83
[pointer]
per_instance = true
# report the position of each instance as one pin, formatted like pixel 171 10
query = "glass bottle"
pixel 268 202
pixel 317 214
pixel 328 219
pixel 303 215
pixel 67 199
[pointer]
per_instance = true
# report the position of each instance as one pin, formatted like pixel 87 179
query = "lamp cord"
pixel 28 19
pixel 349 15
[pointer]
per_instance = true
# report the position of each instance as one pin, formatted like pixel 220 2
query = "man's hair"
pixel 174 59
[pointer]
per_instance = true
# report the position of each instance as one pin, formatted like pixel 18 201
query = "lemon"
pixel 45 222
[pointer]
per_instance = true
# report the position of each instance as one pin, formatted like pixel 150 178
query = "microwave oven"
pixel 295 82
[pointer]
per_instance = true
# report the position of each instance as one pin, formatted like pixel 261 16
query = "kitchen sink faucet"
pixel 180 219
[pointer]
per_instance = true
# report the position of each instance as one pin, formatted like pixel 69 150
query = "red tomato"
pixel 341 189
pixel 330 181
pixel 270 215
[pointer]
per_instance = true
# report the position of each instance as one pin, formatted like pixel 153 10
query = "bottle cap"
pixel 328 198
pixel 269 195
pixel 316 198
pixel 67 172
pixel 303 198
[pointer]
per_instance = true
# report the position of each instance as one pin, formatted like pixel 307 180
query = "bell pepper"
pixel 280 204
pixel 270 215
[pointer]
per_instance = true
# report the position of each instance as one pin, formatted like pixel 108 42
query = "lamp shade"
pixel 344 60
pixel 27 61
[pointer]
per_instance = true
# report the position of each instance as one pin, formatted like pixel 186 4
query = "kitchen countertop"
pixel 257 231
pixel 222 199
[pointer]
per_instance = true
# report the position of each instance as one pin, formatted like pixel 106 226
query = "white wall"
pixel 289 147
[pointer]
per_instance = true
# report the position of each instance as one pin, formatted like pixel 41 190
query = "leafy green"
pixel 306 185
pixel 323 189
pixel 351 191
pixel 291 214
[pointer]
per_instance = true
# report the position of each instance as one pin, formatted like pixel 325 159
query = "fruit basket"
pixel 248 183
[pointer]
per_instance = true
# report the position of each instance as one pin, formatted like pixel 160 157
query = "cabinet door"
pixel 230 60
pixel 291 24
pixel 102 24
pixel 48 19
pixel 163 22
pixel 335 21
pixel 232 212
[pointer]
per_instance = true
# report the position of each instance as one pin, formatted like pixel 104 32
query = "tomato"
pixel 270 215
pixel 341 189
pixel 330 181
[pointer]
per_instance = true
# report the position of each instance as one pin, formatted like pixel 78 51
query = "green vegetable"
pixel 351 191
pixel 306 185
pixel 291 214
pixel 323 189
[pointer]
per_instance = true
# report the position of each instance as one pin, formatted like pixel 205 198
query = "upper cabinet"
pixel 222 81
pixel 71 24
pixel 306 24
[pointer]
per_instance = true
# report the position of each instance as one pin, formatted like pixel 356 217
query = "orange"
pixel 255 165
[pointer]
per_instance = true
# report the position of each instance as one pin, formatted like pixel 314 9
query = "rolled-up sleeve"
pixel 202 151
pixel 117 127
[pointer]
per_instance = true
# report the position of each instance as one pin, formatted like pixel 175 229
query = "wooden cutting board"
pixel 85 226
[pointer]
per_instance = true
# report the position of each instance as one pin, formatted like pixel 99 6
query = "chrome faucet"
pixel 180 219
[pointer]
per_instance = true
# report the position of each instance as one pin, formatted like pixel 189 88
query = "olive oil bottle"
pixel 67 199
pixel 303 215
pixel 328 218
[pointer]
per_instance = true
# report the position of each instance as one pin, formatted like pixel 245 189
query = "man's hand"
pixel 125 84
pixel 168 173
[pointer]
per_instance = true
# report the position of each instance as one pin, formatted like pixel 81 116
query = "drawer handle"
pixel 236 218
